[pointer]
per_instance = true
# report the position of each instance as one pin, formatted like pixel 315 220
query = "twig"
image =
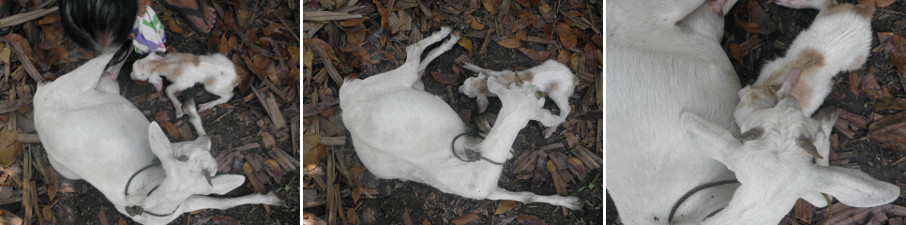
pixel 30 68
pixel 26 16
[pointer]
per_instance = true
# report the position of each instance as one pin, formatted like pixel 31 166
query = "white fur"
pixel 216 71
pixel 403 133
pixel 90 132
pixel 844 40
pixel 551 77
pixel 672 93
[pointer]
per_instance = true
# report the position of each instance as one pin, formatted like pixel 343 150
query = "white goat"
pixel 403 133
pixel 838 40
pixel 665 69
pixel 551 77
pixel 90 132
pixel 216 71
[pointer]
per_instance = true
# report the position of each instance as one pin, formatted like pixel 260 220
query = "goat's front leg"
pixel 194 118
pixel 171 93
pixel 223 99
pixel 570 202
pixel 477 69
pixel 197 202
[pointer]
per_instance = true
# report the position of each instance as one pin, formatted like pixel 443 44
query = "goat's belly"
pixel 650 163
pixel 403 124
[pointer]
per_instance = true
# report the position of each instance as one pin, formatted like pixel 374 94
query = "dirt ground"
pixel 236 129
pixel 859 151
pixel 398 202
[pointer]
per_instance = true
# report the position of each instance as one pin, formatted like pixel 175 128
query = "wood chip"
pixel 887 123
pixel 328 16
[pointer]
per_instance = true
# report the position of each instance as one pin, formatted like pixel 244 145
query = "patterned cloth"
pixel 149 33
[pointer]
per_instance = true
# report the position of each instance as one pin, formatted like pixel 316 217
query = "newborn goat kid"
pixel 92 133
pixel 216 71
pixel 838 40
pixel 551 77
pixel 403 133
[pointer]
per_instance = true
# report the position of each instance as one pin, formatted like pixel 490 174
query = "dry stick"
pixel 487 39
pixel 30 68
pixel 26 16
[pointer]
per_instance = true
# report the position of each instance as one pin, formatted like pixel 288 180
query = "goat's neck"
pixel 499 141
pixel 749 204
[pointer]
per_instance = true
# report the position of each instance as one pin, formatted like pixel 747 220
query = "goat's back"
pixel 650 161
pixel 89 134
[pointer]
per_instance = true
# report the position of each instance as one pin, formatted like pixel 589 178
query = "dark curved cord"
pixel 696 189
pixel 471 154
pixel 153 163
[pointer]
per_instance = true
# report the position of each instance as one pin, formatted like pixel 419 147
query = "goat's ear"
pixel 853 187
pixel 482 103
pixel 717 141
pixel 160 144
pixel 827 116
pixel 203 142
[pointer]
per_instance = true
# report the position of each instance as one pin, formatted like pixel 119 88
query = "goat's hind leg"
pixel 197 202
pixel 446 46
pixel 570 202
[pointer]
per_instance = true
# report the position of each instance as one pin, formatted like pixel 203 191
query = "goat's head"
pixel 189 166
pixel 779 159
pixel 477 87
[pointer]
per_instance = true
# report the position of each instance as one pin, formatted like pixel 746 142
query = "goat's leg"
pixel 446 46
pixel 197 202
pixel 477 69
pixel 194 118
pixel 171 93
pixel 562 102
pixel 223 99
pixel 570 202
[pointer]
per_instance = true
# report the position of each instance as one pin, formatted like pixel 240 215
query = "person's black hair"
pixel 98 24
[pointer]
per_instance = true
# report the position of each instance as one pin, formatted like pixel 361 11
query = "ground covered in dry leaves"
pixel 255 134
pixel 870 134
pixel 364 38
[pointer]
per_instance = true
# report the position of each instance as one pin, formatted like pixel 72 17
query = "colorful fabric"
pixel 149 33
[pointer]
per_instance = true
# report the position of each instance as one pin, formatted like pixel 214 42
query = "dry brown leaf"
pixel 50 19
pixel 268 140
pixel 174 27
pixel 525 3
pixel 571 139
pixel 407 220
pixel 544 8
pixel 752 28
pixel 757 16
pixel 122 221
pixel 736 52
pixel 224 220
pixel 473 22
pixel 467 44
pixel 574 61
pixel 224 45
pixel 530 220
pixel 351 216
pixel 456 69
pixel 251 66
pixel 445 78
pixel 171 129
pixel 505 206
pixel 522 24
pixel 510 43
pixel 490 6
pixel 252 177
pixel 534 54
pixel 242 17
pixel 559 184
pixel 426 222
pixel 871 87
pixel 11 148
pixel 563 56
pixel 468 218
pixel 578 167
pixel 521 34
pixel 353 22
pixel 46 212
pixel 385 20
pixel 567 38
